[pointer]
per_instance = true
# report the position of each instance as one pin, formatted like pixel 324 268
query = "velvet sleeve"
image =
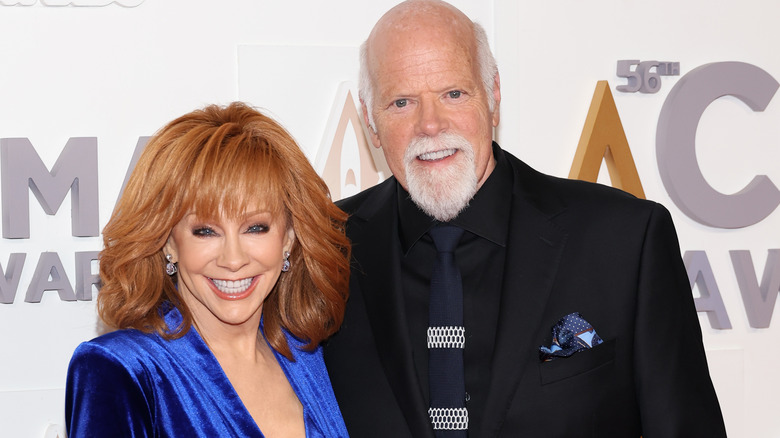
pixel 104 396
pixel 674 389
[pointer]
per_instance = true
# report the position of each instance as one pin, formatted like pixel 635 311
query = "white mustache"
pixel 434 148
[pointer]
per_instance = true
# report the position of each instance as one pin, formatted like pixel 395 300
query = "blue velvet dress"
pixel 135 384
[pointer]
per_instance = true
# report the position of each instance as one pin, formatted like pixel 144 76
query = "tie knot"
pixel 445 237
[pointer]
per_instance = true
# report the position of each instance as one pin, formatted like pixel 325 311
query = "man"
pixel 534 249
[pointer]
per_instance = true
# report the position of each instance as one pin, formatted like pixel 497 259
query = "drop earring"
pixel 170 267
pixel 286 262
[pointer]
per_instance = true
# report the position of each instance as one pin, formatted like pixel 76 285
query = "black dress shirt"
pixel 480 256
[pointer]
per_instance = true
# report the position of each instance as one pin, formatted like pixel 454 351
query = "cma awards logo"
pixel 349 163
pixel 81 3
pixel 603 138
pixel 346 160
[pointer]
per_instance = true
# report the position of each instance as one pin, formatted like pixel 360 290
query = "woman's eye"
pixel 455 94
pixel 400 103
pixel 257 228
pixel 203 231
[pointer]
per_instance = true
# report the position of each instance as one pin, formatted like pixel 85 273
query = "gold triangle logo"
pixel 603 138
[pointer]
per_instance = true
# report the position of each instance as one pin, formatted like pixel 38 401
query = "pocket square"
pixel 570 335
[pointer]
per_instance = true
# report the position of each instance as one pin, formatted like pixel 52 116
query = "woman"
pixel 224 266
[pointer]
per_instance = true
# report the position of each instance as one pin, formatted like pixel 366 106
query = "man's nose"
pixel 432 118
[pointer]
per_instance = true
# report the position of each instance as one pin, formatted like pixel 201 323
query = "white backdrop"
pixel 116 73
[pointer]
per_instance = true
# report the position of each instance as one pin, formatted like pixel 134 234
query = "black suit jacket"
pixel 572 247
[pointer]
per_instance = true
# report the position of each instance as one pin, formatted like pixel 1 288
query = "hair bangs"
pixel 235 173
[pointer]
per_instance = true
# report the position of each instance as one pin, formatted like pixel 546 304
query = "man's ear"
pixel 496 100
pixel 371 129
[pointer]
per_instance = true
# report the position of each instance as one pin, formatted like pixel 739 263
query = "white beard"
pixel 441 193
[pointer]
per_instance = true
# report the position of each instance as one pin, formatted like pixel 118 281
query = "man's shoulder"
pixel 376 194
pixel 571 193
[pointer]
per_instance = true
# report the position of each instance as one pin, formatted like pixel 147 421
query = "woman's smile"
pixel 234 289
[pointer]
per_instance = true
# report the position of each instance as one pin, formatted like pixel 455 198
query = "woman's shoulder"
pixel 130 344
pixel 123 346
pixel 124 338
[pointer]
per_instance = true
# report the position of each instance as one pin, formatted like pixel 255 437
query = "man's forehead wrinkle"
pixel 426 61
pixel 425 54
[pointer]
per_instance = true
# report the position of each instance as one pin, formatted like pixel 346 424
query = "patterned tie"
pixel 446 338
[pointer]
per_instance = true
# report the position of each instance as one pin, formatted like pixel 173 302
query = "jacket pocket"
pixel 578 363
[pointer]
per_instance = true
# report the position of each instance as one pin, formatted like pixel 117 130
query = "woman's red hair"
pixel 213 161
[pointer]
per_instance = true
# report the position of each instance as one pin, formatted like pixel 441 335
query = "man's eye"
pixel 400 103
pixel 257 228
pixel 455 94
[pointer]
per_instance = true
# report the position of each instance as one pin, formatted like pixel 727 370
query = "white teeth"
pixel 436 155
pixel 232 287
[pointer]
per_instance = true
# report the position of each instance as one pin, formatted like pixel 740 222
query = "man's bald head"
pixel 416 21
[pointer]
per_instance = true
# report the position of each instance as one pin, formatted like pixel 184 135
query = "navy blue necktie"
pixel 446 339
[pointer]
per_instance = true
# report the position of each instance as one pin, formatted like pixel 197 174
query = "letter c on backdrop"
pixel 676 145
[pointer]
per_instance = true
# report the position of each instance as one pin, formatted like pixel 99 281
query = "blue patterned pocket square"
pixel 570 335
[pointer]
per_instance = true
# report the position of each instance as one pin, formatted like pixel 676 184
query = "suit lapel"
pixel 379 278
pixel 535 245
